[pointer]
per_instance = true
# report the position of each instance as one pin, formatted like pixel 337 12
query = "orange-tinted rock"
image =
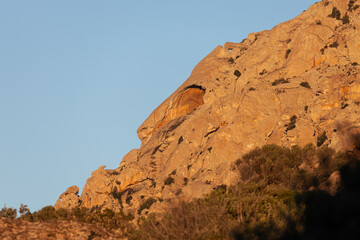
pixel 237 100
pixel 186 102
pixel 69 199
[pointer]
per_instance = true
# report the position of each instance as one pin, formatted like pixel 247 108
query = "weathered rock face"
pixel 298 83
pixel 69 199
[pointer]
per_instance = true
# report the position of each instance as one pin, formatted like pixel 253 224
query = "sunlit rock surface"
pixel 289 85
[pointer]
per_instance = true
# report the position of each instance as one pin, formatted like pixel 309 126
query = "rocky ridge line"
pixel 295 84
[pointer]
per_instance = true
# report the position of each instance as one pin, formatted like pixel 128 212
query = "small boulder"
pixel 69 199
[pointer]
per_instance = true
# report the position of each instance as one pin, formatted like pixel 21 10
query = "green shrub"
pixel 329 162
pixel 263 72
pixel 305 85
pixel 334 45
pixel 266 204
pixel 243 208
pixel 8 212
pixel 346 19
pixel 237 73
pixel 117 195
pixel 287 53
pixel 178 192
pixel 63 213
pixel 281 166
pixel 128 199
pixel 335 14
pixel 24 211
pixel 344 105
pixel 147 204
pixel 45 214
pixel 266 163
pixel 351 6
pixel 291 125
pixel 169 180
pixel 101 217
pixel 280 81
pixel 321 139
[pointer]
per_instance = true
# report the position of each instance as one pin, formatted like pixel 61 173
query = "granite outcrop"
pixel 295 84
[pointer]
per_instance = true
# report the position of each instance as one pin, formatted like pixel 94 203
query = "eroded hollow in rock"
pixel 187 101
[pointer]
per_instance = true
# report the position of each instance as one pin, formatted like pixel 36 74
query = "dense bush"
pixel 287 53
pixel 240 209
pixel 268 203
pixel 334 45
pixel 279 81
pixel 276 165
pixel 237 73
pixel 305 85
pixel 104 218
pixel 291 125
pixel 346 19
pixel 321 139
pixel 293 168
pixel 335 14
pixel 272 201
pixel 147 204
pixel 8 212
pixel 169 180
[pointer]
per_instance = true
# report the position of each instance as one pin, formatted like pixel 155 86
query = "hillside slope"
pixel 296 84
pixel 20 229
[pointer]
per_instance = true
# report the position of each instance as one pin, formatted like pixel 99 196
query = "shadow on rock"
pixel 332 216
pixel 321 215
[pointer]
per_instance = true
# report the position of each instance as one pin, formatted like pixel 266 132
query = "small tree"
pixel 8 212
pixel 24 212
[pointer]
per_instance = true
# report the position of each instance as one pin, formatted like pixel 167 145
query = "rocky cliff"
pixel 295 84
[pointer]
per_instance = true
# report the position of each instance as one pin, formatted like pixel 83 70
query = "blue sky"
pixel 77 78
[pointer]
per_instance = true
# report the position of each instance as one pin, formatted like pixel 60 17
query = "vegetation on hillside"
pixel 271 201
pixel 283 193
pixel 103 218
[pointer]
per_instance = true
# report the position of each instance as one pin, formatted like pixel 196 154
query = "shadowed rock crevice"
pixel 187 101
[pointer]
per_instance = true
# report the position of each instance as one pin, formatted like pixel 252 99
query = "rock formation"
pixel 297 83
pixel 69 199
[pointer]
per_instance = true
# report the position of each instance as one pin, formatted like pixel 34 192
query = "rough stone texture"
pixel 238 97
pixel 69 199
pixel 20 230
pixel 334 182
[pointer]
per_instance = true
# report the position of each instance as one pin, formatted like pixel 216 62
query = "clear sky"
pixel 77 78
